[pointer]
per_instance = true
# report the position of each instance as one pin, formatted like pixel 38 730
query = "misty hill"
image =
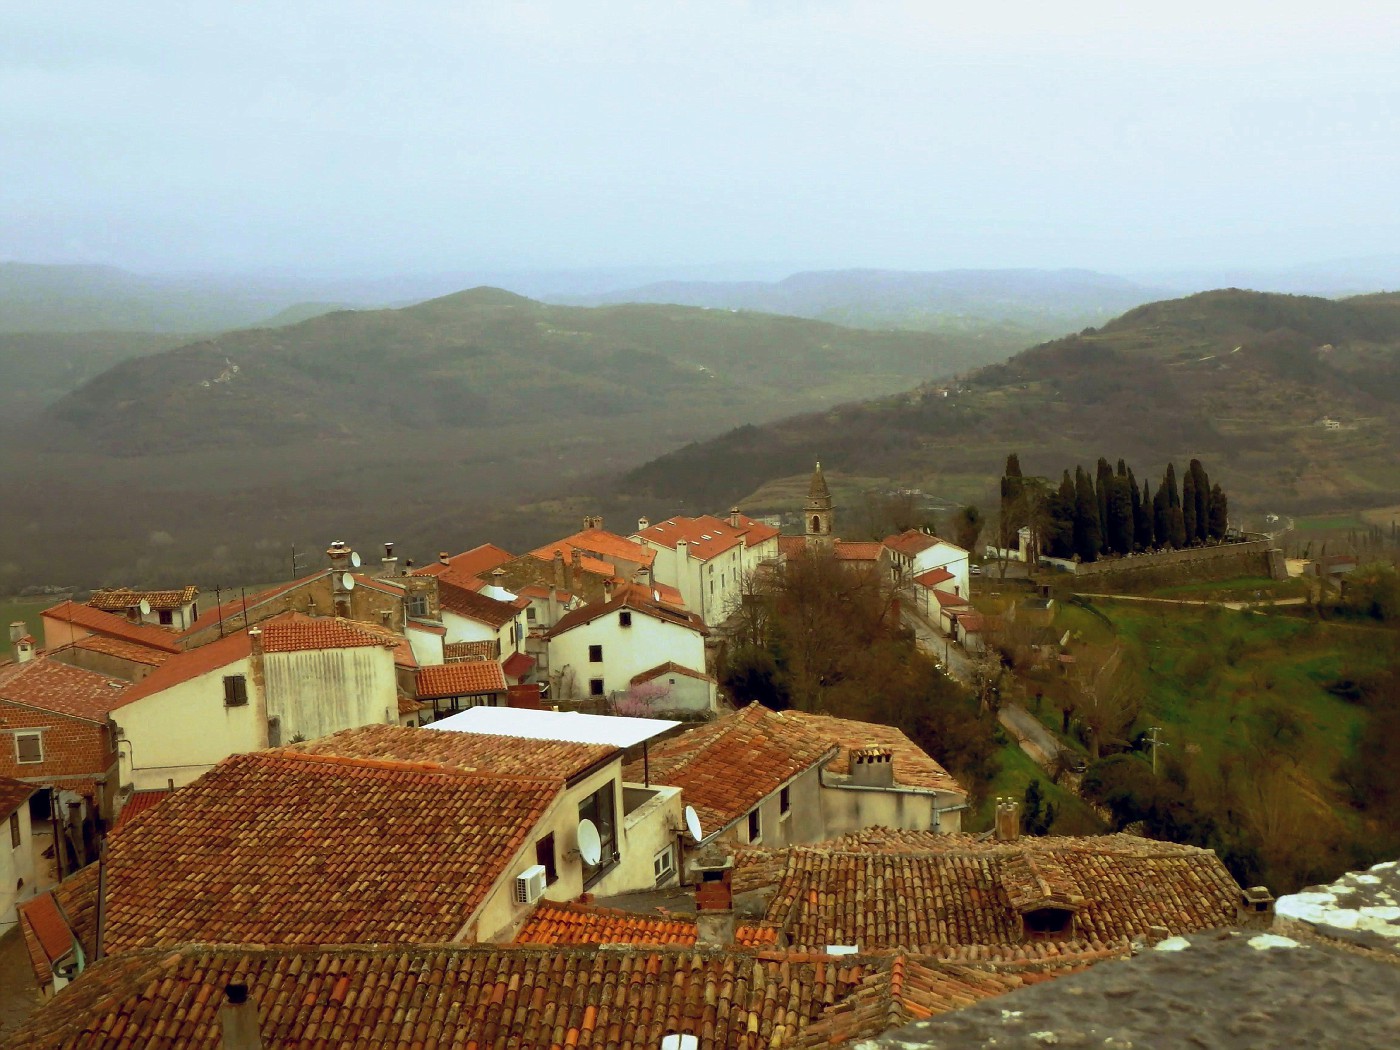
pixel 210 460
pixel 1243 379
pixel 37 368
pixel 1045 301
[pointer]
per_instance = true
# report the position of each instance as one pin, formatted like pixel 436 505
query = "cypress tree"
pixel 1188 508
pixel 1162 517
pixel 1013 509
pixel 1219 513
pixel 1087 535
pixel 1202 500
pixel 1103 481
pixel 1120 515
pixel 1135 496
pixel 1142 520
pixel 1062 518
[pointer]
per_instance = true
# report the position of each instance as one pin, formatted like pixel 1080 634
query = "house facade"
pixel 19 865
pixel 708 559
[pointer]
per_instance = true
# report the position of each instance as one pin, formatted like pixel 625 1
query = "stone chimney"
pixel 444 558
pixel 21 641
pixel 1008 825
pixel 238 1019
pixel 498 576
pixel 576 563
pixel 1255 907
pixel 643 524
pixel 390 563
pixel 734 517
pixel 682 550
pixel 712 868
pixel 607 590
pixel 872 767
pixel 559 579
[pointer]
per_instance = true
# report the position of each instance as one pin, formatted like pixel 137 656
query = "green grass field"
pixel 26 609
pixel 1241 588
pixel 1017 771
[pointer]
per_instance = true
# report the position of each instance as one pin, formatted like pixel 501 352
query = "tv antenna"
pixel 590 844
pixel 692 824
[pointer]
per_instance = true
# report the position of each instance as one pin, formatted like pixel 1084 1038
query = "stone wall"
pixel 1171 568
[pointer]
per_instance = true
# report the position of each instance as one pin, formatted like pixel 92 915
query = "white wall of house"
pixel 803 820
pixel 848 809
pixel 426 645
pixel 510 635
pixel 683 692
pixel 179 733
pixel 710 587
pixel 945 555
pixel 315 693
pixel 626 651
pixel 18 868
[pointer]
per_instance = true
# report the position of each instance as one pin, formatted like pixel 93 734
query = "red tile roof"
pixel 934 577
pixel 728 766
pixel 296 633
pixel 13 794
pixel 602 544
pixel 627 598
pixel 470 752
pixel 100 622
pixel 282 847
pixel 857 551
pixel 792 546
pixel 133 652
pixel 471 650
pixel 517 664
pixel 911 542
pixel 234 606
pixel 584 924
pixel 416 998
pixel 473 563
pixel 475 606
pixel 120 599
pixel 669 667
pixel 913 767
pixel 50 922
pixel 139 803
pixel 48 685
pixel 186 666
pixel 706 537
pixel 946 599
pixel 460 678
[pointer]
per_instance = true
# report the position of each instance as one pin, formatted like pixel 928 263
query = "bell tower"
pixel 818 512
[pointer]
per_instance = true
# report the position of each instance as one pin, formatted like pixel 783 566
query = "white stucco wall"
pixel 17 864
pixel 627 651
pixel 948 556
pixel 323 691
pixel 426 646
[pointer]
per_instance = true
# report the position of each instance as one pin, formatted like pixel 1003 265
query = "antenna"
pixel 354 559
pixel 347 581
pixel 590 845
pixel 296 562
pixel 692 824
pixel 145 607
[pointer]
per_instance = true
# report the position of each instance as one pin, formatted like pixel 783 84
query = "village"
pixel 485 800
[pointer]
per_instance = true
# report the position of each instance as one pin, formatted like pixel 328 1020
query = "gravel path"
pixel 18 995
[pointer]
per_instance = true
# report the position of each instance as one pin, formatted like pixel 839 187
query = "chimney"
pixel 734 517
pixel 682 549
pixel 444 558
pixel 712 868
pixel 1255 907
pixel 238 1018
pixel 22 641
pixel 872 767
pixel 391 563
pixel 559 578
pixel 607 590
pixel 498 576
pixel 643 524
pixel 339 554
pixel 1008 825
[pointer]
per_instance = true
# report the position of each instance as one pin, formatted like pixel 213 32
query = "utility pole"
pixel 1155 744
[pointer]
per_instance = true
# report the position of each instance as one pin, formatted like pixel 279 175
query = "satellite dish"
pixel 347 581
pixel 145 607
pixel 354 559
pixel 692 824
pixel 590 846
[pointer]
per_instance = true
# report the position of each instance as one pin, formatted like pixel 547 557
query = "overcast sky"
pixel 367 138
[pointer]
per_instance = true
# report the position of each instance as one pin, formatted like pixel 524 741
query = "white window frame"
pixel 37 734
pixel 663 865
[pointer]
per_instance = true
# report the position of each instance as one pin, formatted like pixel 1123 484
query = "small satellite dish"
pixel 145 607
pixel 354 559
pixel 590 846
pixel 347 581
pixel 692 824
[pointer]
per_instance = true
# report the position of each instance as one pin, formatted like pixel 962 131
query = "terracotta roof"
pixel 517 664
pixel 669 667
pixel 857 550
pixel 792 546
pixel 120 599
pixel 188 665
pixel 584 924
pixel 706 536
pixel 13 794
pixel 409 706
pixel 133 652
pixel 234 606
pixel 296 632
pixel 459 678
pixel 282 847
pixel 628 598
pixel 911 542
pixel 758 531
pixel 140 802
pixel 471 650
pixel 51 920
pixel 963 893
pixel 600 543
pixel 728 766
pixel 913 767
pixel 934 577
pixel 100 622
pixel 471 752
pixel 946 599
pixel 475 606
pixel 48 685
pixel 971 621
pixel 468 564
pixel 449 995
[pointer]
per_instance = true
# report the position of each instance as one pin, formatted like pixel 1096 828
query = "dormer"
pixel 1044 894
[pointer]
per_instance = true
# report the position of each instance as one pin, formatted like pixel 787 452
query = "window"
pixel 544 857
pixel 29 748
pixel 599 808
pixel 595 654
pixel 15 837
pixel 624 618
pixel 274 732
pixel 785 801
pixel 167 617
pixel 418 605
pixel 530 614
pixel 663 865
pixel 595 687
pixel 235 690
pixel 755 826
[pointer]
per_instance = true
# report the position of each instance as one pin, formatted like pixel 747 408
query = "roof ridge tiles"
pixel 394 765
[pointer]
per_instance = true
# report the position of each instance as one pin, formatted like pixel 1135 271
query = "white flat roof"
pixel 617 730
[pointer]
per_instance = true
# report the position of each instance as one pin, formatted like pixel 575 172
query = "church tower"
pixel 818 512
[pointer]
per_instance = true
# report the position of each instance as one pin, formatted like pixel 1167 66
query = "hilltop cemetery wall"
pixel 1222 562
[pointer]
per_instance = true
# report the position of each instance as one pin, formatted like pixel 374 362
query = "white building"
pixel 913 553
pixel 708 559
pixel 176 609
pixel 18 869
pixel 481 616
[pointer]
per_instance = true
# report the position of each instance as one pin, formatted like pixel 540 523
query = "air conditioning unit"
pixel 529 885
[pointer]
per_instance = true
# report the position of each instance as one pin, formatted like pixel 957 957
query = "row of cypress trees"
pixel 1107 513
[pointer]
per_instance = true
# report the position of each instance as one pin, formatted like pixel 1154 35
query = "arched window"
pixel 816 523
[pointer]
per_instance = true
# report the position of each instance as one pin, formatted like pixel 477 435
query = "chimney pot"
pixel 443 558
pixel 238 1019
pixel 643 524
pixel 1008 820
pixel 237 993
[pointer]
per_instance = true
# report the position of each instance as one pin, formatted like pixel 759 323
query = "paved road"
pixel 1192 601
pixel 18 996
pixel 1034 738
pixel 942 648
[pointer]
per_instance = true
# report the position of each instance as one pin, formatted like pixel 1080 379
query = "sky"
pixel 361 139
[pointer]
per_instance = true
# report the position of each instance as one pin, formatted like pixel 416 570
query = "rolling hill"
pixel 1240 379
pixel 216 457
